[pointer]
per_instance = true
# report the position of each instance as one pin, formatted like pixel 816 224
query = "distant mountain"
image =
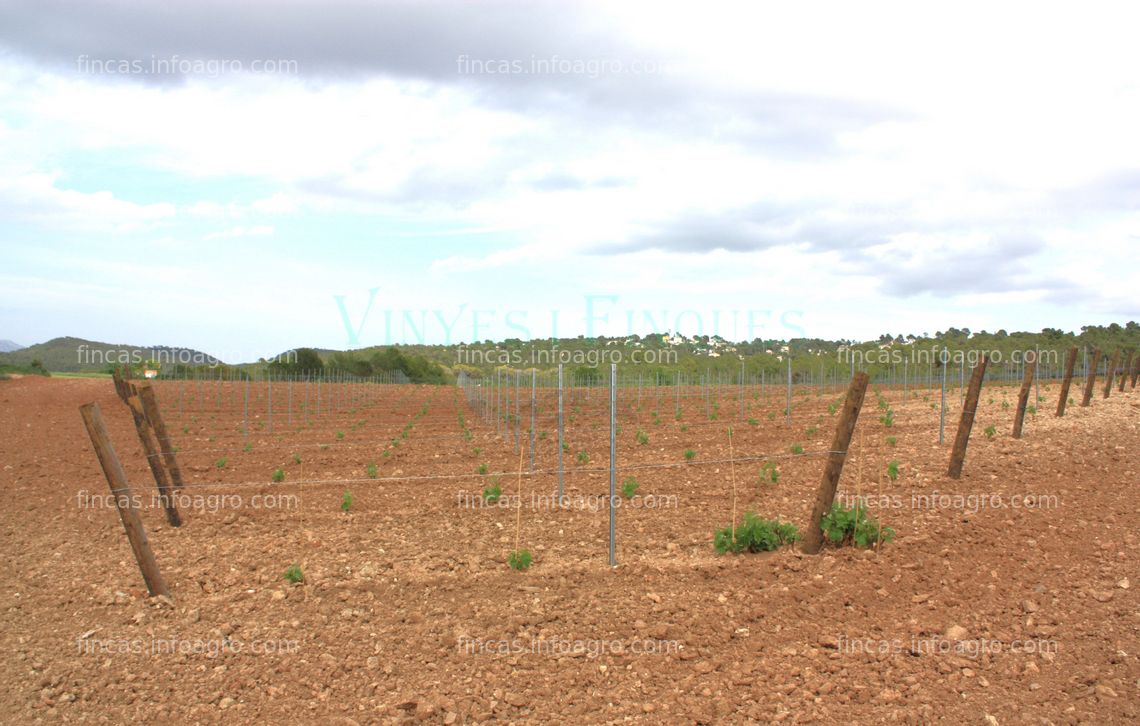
pixel 76 355
pixel 659 354
pixel 8 346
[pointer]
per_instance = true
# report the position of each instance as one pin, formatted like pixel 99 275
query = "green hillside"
pixel 76 355
pixel 652 356
pixel 701 354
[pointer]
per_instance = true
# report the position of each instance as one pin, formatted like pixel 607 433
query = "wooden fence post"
pixel 1124 371
pixel 152 460
pixel 852 404
pixel 124 502
pixel 966 423
pixel 1108 374
pixel 1070 361
pixel 1023 396
pixel 154 417
pixel 1135 370
pixel 1090 382
pixel 121 384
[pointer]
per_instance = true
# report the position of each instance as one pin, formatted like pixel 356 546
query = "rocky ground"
pixel 1006 597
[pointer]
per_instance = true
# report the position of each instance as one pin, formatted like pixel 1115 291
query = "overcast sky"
pixel 245 177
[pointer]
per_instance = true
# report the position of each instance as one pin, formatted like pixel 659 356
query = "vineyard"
pixel 454 554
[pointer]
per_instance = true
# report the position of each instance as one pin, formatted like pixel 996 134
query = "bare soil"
pixel 1008 598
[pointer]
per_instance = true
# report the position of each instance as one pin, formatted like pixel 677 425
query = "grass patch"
pixel 629 487
pixel 769 473
pixel 492 493
pixel 294 575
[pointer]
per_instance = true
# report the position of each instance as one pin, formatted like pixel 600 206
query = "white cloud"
pixel 850 156
pixel 35 197
pixel 256 230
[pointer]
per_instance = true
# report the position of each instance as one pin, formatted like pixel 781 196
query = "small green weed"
pixel 769 472
pixel 492 493
pixel 629 487
pixel 519 559
pixel 294 575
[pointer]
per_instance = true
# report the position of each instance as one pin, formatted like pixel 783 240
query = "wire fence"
pixel 520 406
pixel 544 418
pixel 282 397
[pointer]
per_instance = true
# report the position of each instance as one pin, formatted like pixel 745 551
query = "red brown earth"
pixel 401 590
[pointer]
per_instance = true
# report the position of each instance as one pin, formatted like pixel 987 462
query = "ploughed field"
pixel 1008 596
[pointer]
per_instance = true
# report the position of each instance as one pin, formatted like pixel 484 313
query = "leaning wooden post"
pixel 966 423
pixel 1124 371
pixel 165 493
pixel 128 387
pixel 852 404
pixel 1090 382
pixel 154 417
pixel 121 493
pixel 1110 372
pixel 1070 362
pixel 1135 370
pixel 1023 396
pixel 120 383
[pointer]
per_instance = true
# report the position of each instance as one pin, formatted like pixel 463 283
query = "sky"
pixel 247 177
